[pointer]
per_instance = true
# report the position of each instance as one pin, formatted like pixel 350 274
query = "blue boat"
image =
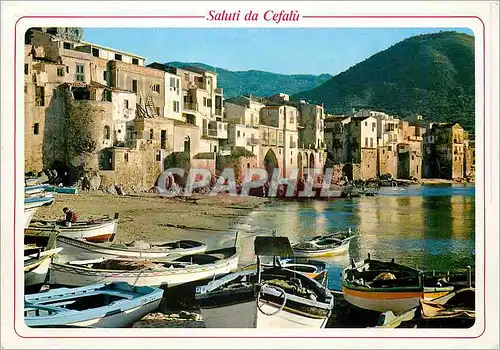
pixel 32 190
pixel 66 190
pixel 110 305
pixel 31 205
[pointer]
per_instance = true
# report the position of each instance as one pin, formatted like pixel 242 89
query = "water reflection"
pixel 426 227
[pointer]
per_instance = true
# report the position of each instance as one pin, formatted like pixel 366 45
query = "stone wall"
pixel 368 167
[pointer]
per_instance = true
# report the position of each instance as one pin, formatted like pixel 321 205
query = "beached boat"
pixel 36 189
pixel 31 181
pixel 147 272
pixel 110 305
pixel 314 269
pixel 453 310
pixel 265 298
pixel 96 230
pixel 136 249
pixel 387 286
pixel 66 190
pixel 39 249
pixel 334 244
pixel 31 205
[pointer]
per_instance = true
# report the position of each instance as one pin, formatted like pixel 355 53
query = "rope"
pixel 278 289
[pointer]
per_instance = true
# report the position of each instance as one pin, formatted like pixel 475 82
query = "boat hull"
pixel 28 215
pixel 320 253
pixel 82 247
pixel 70 275
pixel 247 315
pixel 382 301
pixel 111 314
pixel 36 274
pixel 101 232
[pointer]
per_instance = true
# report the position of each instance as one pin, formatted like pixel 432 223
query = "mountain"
pixel 255 82
pixel 431 75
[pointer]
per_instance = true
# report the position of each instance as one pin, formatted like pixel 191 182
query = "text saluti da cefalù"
pixel 268 16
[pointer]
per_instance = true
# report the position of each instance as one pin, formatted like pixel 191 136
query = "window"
pixel 134 85
pixel 209 102
pixel 135 61
pixel 158 156
pixel 366 123
pixel 417 168
pixel 105 76
pixel 80 76
pixel 292 119
pixel 151 134
pixel 238 133
pixel 95 52
pixel 26 68
pixel 215 149
pixel 118 57
pixel 36 129
pixel 107 132
pixel 186 76
pixel 67 46
pixel 172 82
pixel 291 160
pixel 176 106
pixel 67 69
pixel 187 144
pixel 220 126
pixel 204 101
pixel 125 102
pixel 60 72
pixel 383 151
pixel 158 110
pixel 155 88
pixel 125 157
pixel 366 141
pixel 371 142
pixel 412 157
pixel 39 96
pixel 374 125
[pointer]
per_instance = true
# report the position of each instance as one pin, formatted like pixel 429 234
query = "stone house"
pixel 445 150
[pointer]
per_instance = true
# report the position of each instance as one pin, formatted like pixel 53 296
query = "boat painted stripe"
pixel 382 295
pixel 99 238
pixel 434 295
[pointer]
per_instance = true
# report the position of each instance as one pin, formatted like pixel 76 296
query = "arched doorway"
pixel 270 162
pixel 187 144
pixel 299 165
pixel 311 160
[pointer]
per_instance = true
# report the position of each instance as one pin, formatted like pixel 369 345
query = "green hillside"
pixel 259 83
pixel 430 74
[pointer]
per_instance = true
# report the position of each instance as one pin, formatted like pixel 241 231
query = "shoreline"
pixel 153 218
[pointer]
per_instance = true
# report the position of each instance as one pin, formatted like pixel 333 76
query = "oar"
pixel 44 253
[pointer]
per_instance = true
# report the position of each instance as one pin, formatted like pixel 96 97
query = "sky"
pixel 277 50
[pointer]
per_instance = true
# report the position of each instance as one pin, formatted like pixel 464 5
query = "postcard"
pixel 250 174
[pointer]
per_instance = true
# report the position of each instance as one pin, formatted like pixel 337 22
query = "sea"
pixel 427 227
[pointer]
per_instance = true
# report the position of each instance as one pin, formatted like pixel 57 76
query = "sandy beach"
pixel 153 218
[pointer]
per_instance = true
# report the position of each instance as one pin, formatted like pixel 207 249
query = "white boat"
pixel 272 297
pixel 97 230
pixel 133 249
pixel 39 249
pixel 32 190
pixel 31 205
pixel 146 272
pixel 319 246
pixel 110 305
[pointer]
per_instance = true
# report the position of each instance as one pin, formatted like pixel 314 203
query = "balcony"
pixel 218 111
pixel 293 144
pixel 252 141
pixel 192 106
pixel 200 85
pixel 219 91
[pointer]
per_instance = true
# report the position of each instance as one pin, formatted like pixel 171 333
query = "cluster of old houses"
pixel 366 144
pixel 147 118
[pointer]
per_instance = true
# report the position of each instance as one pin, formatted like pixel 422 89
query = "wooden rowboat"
pixel 110 305
pixel 334 244
pixel 454 310
pixel 31 205
pixel 146 272
pixel 133 249
pixel 97 230
pixel 36 189
pixel 265 298
pixel 39 249
pixel 387 286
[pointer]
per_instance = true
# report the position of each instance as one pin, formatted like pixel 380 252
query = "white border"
pixel 488 13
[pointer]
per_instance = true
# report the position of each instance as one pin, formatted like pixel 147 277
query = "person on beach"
pixel 71 217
